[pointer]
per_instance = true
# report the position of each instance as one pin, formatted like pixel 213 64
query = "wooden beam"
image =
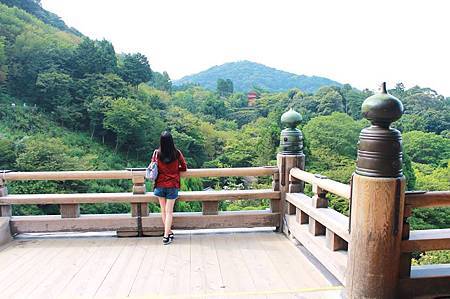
pixel 5 231
pixel 123 222
pixel 331 186
pixel 125 174
pixel 428 199
pixel 136 198
pixel 426 240
pixel 430 281
pixel 331 219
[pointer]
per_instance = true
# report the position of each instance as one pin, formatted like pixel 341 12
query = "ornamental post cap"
pixel 382 109
pixel 291 119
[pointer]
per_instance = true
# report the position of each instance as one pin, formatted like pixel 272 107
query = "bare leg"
pixel 162 204
pixel 169 217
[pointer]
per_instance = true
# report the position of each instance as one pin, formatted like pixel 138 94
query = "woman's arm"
pixel 181 162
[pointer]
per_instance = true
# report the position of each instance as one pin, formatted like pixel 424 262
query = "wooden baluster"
pixel 210 207
pixel 295 186
pixel 139 188
pixel 334 242
pixel 301 216
pixel 405 257
pixel 5 210
pixel 319 200
pixel 275 204
pixel 69 210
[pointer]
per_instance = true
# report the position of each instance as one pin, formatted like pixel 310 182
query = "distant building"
pixel 251 97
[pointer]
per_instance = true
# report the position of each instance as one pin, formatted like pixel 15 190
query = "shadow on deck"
pixel 215 264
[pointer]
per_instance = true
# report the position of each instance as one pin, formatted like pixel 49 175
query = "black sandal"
pixel 171 236
pixel 166 241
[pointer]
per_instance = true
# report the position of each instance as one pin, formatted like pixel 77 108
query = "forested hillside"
pixel 247 75
pixel 71 103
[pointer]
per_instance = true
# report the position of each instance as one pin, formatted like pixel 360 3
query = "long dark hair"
pixel 167 150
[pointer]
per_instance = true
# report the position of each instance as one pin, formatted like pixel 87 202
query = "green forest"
pixel 68 102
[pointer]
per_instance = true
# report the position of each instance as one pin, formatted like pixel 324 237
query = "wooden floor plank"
pixel 177 270
pixel 67 250
pixel 28 274
pixel 86 282
pixel 149 277
pixel 119 279
pixel 214 265
pixel 235 274
pixel 51 286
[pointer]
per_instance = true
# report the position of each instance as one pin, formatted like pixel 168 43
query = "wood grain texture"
pixel 374 250
pixel 123 222
pixel 331 186
pixel 331 219
pixel 125 174
pixel 428 199
pixel 334 261
pixel 426 240
pixel 136 198
pixel 429 281
pixel 69 210
pixel 5 231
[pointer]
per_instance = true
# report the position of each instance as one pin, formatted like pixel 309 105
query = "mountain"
pixel 34 7
pixel 246 75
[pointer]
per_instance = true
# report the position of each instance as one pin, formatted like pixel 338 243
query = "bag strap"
pixel 155 155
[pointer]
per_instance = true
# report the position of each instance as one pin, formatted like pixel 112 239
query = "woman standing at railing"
pixel 170 162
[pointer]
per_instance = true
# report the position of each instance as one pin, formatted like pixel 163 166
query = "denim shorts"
pixel 167 193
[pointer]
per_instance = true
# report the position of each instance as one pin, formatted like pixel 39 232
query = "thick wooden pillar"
pixel 376 234
pixel 377 204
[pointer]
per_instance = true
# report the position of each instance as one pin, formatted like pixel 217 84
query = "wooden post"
pixel 210 207
pixel 285 164
pixel 291 156
pixel 139 188
pixel 377 204
pixel 275 204
pixel 69 210
pixel 405 257
pixel 5 210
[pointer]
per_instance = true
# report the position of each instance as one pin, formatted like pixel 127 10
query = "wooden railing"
pixel 321 230
pixel 141 221
pixel 418 281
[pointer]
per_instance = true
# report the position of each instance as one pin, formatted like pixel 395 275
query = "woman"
pixel 170 163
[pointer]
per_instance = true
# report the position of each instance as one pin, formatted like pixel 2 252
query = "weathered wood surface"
pixel 329 218
pixel 5 231
pixel 376 233
pixel 430 281
pixel 124 222
pixel 426 240
pixel 125 174
pixel 331 186
pixel 76 198
pixel 69 210
pixel 334 261
pixel 225 265
pixel 428 199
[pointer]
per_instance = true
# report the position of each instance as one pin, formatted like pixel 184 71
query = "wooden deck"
pixel 260 264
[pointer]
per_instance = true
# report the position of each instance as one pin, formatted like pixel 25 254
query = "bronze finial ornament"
pixel 291 139
pixel 380 146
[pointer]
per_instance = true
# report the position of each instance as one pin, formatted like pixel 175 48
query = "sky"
pixel 351 41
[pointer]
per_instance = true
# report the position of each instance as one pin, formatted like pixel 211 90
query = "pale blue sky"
pixel 353 41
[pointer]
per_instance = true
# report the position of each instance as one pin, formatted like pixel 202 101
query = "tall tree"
pixel 135 69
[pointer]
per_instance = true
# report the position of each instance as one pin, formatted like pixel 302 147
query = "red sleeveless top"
pixel 169 173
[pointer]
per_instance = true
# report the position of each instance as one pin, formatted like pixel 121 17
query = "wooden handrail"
pixel 427 199
pixel 78 198
pixel 125 174
pixel 426 240
pixel 331 186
